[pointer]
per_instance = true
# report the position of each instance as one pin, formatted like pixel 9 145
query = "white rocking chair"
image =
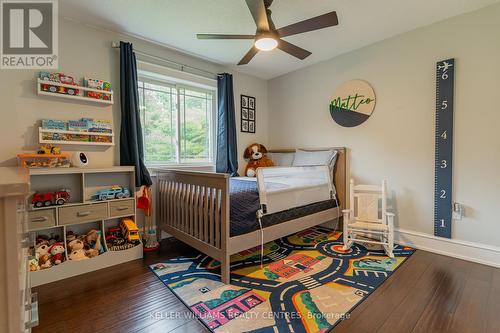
pixel 368 216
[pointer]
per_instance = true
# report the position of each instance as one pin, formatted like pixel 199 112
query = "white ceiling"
pixel 176 22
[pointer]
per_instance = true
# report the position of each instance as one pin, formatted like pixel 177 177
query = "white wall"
pixel 397 142
pixel 87 51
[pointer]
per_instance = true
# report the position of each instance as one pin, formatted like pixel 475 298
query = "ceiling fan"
pixel 267 37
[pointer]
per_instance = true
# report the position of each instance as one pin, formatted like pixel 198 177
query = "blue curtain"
pixel 131 145
pixel 227 151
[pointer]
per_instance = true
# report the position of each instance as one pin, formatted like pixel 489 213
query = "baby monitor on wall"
pixel 79 159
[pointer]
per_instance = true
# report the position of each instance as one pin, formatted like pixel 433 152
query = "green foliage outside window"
pixel 176 124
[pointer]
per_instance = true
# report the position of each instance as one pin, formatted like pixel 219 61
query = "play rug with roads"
pixel 307 283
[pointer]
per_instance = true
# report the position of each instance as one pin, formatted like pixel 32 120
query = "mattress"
pixel 244 204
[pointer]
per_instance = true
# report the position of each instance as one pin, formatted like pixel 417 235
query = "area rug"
pixel 307 283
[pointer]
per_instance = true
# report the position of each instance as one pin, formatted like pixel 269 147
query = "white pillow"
pixel 311 158
pixel 282 159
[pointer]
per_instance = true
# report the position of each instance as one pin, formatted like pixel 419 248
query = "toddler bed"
pixel 220 216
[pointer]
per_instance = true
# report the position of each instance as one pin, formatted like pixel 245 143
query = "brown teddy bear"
pixel 256 155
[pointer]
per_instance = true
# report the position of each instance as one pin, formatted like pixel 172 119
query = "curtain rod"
pixel 116 45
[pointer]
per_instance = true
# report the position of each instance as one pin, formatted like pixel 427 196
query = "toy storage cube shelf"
pixel 81 213
pixel 78 97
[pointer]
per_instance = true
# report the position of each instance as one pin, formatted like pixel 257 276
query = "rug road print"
pixel 307 283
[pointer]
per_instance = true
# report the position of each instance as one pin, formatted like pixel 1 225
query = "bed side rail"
pixel 194 207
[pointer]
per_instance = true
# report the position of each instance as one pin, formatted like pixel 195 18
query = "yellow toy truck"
pixel 49 149
pixel 129 230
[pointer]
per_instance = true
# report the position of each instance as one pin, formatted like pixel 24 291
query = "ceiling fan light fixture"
pixel 266 43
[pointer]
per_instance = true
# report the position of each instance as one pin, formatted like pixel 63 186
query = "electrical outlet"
pixel 457 213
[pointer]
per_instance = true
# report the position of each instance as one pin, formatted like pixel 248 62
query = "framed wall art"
pixel 248 116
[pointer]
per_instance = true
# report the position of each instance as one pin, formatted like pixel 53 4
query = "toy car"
pixel 115 231
pixel 49 149
pixel 115 192
pixel 50 198
pixel 129 230
pixel 113 234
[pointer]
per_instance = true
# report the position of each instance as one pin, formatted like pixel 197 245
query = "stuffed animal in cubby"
pixel 93 241
pixel 34 265
pixel 70 236
pixel 256 156
pixel 84 246
pixel 56 251
pixel 77 255
pixel 43 255
pixel 76 251
pixel 44 261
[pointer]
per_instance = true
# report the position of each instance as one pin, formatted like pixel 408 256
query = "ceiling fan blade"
pixel 315 23
pixel 221 36
pixel 259 14
pixel 250 54
pixel 293 49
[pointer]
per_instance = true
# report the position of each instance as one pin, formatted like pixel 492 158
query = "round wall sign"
pixel 353 103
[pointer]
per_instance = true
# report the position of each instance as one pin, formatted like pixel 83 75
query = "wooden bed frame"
pixel 202 221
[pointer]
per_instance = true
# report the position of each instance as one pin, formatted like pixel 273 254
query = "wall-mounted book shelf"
pixel 63 133
pixel 81 96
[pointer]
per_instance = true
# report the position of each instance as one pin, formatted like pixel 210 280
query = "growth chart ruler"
pixel 445 76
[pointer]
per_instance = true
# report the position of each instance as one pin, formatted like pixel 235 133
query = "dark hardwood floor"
pixel 429 293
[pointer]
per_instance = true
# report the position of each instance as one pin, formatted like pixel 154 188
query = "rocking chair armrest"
pixel 346 211
pixel 389 214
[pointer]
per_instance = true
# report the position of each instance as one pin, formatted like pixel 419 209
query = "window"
pixel 177 122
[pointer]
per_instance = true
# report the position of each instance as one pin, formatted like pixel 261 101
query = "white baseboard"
pixel 470 251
